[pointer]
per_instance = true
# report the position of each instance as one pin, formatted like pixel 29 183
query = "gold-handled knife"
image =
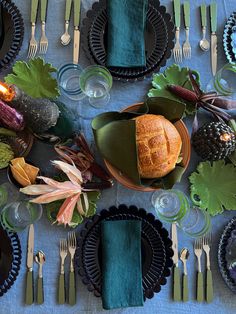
pixel 175 258
pixel 213 13
pixel 76 31
pixel 29 292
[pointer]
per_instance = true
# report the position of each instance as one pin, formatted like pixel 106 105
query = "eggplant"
pixel 10 118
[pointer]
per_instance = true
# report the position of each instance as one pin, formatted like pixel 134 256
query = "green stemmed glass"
pixel 16 216
pixel 173 206
pixel 96 82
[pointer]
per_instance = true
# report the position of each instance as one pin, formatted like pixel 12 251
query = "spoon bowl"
pixel 184 255
pixel 66 38
pixel 204 44
pixel 40 258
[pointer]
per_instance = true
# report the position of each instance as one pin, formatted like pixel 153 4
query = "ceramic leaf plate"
pixel 222 255
pixel 34 78
pixel 156 249
pixel 213 187
pixel 227 38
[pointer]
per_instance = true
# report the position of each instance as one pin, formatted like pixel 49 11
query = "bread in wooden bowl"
pixel 158 145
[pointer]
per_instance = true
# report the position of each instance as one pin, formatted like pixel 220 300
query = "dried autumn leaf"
pixel 213 187
pixel 69 191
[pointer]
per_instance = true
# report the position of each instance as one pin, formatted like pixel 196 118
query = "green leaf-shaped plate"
pixel 172 75
pixel 34 78
pixel 213 187
pixel 77 219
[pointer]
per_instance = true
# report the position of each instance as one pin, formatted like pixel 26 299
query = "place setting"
pixel 172 150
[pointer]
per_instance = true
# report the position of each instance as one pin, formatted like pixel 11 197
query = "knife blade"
pixel 76 45
pixel 29 293
pixel 174 237
pixel 30 249
pixel 176 274
pixel 213 14
pixel 213 54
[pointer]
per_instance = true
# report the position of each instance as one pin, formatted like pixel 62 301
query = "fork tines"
pixel 43 44
pixel 63 245
pixel 72 239
pixel 207 239
pixel 187 50
pixel 177 51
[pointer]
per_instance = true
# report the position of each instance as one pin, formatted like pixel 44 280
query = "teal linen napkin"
pixel 121 264
pixel 126 26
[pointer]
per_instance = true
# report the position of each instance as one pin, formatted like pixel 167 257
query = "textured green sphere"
pixel 214 141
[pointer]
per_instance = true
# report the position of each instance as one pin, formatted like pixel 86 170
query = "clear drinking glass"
pixel 224 82
pixel 195 223
pixel 68 77
pixel 17 216
pixel 96 82
pixel 173 206
pixel 170 205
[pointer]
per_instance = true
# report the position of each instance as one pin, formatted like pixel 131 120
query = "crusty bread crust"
pixel 158 145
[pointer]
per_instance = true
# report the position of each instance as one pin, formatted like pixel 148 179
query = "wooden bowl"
pixel 21 144
pixel 185 151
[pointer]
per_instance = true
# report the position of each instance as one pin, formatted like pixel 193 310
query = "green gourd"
pixel 40 114
pixel 65 125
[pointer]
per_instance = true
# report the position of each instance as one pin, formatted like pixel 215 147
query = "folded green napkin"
pixel 121 264
pixel 126 26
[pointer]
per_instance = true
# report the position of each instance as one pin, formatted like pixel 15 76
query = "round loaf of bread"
pixel 158 145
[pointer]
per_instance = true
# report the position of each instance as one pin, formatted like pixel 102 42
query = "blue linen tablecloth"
pixel 47 236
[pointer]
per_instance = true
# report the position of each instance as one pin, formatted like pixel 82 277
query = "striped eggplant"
pixel 10 118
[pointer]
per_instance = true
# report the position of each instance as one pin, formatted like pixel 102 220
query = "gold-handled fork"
pixel 209 283
pixel 33 44
pixel 198 253
pixel 61 287
pixel 43 44
pixel 72 248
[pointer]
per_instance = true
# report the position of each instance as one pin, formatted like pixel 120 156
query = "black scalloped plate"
pixel 10 259
pixel 14 33
pixel 159 40
pixel 227 38
pixel 156 250
pixel 230 282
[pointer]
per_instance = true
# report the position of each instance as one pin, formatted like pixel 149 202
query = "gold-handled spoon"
pixel 40 260
pixel 184 255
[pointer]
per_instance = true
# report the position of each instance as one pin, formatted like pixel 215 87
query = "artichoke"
pixel 6 155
